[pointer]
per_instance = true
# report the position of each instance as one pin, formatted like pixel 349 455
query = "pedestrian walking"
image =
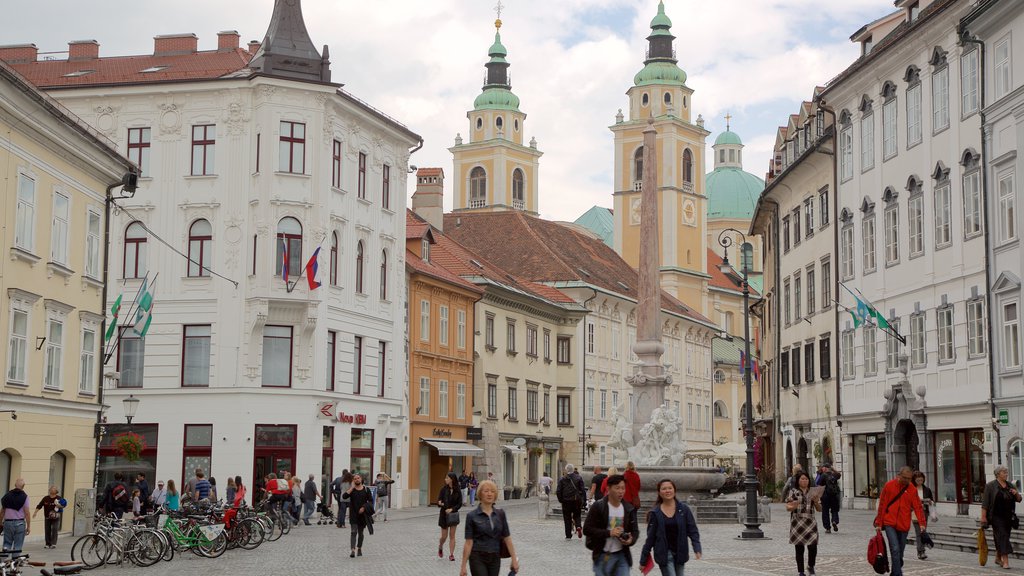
pixel 669 525
pixel 594 492
pixel 632 484
pixel 14 507
pixel 997 510
pixel 569 493
pixel 473 485
pixel 449 500
pixel 829 478
pixel 803 522
pixel 53 510
pixel 240 493
pixel 464 485
pixel 611 528
pixel 791 481
pixel 173 498
pixel 136 503
pixel 339 486
pixel 309 495
pixel 544 483
pixel 383 499
pixel 190 486
pixel 116 498
pixel 924 493
pixel 486 531
pixel 295 486
pixel 360 502
pixel 159 496
pixel 895 504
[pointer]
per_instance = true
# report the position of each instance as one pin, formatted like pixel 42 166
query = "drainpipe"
pixel 583 411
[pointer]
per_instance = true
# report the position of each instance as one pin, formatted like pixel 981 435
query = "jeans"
pixel 897 544
pixel 830 511
pixel 613 564
pixel 307 509
pixel 472 496
pixel 484 563
pixel 342 509
pixel 51 527
pixel 14 534
pixel 357 534
pixel 670 568
pixel 380 506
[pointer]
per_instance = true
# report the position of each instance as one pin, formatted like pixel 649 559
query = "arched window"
pixel 720 410
pixel 334 259
pixel 289 234
pixel 719 377
pixel 383 274
pixel 135 251
pixel 1014 461
pixel 58 468
pixel 518 189
pixel 6 466
pixel 477 188
pixel 359 267
pixel 687 166
pixel 200 248
pixel 638 164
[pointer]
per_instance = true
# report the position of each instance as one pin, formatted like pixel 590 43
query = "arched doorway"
pixel 802 456
pixel 904 446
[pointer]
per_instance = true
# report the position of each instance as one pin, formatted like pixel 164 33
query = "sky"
pixel 422 62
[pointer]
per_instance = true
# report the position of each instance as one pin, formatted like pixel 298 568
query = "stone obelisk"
pixel 650 379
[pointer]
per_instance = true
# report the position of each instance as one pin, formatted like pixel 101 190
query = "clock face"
pixel 689 212
pixel 634 211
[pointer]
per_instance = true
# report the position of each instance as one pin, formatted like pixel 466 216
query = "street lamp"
pixel 753 526
pixel 131 406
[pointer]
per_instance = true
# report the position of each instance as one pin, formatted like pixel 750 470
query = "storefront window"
pixel 197 452
pixel 960 465
pixel 111 461
pixel 275 436
pixel 1015 461
pixel 869 473
pixel 361 459
pixel 327 459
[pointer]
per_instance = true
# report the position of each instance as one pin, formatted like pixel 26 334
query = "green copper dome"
pixel 497 49
pixel 496 99
pixel 729 138
pixel 661 20
pixel 660 73
pixel 732 193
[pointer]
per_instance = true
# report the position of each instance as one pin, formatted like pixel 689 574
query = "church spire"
pixel 497 90
pixel 660 41
pixel 287 50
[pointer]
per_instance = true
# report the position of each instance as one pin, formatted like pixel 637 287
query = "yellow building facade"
pixel 54 174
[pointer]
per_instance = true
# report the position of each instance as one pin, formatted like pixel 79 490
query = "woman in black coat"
pixel 449 501
pixel 997 509
pixel 924 493
pixel 671 529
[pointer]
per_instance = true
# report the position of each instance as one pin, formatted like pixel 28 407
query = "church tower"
pixel 660 92
pixel 494 171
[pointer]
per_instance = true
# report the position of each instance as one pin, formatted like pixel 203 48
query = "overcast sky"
pixel 421 61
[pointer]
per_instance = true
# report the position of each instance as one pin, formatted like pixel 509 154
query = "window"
pixel 359 267
pixel 336 164
pixel 424 320
pixel 54 353
pixel 532 415
pixel 424 409
pixel 809 216
pixel 195 356
pixel 382 367
pixel 590 402
pixel 972 203
pixel 867 140
pixel 1011 335
pixel 385 188
pixel 590 337
pixel 197 450
pixel 604 404
pixel 289 235
pixel 258 139
pixel 87 361
pixel 492 399
pixel 823 210
pixel 547 345
pixel 59 228
pixel 638 165
pixel 1001 68
pixel 203 140
pixel 460 400
pixel 489 331
pixel 892 347
pixel 847 353
pixel 333 271
pixel 940 98
pixel 357 365
pixel 795 360
pixel 92 245
pixel 138 149
pixel 915 215
pixel 443 325
pixel 796 227
pixel 518 189
pixel 917 335
pixel 976 344
pixel 513 403
pixel 687 165
pixel 442 398
pixel 944 322
pixel 914 115
pixel 531 341
pixel 870 362
pixel 868 230
pixel 785 234
pixel 810 290
pixel 797 295
pixel 825 357
pixel 785 300
pixel 477 188
pixel 943 233
pixel 460 327
pixel 847 252
pixel 846 152
pixel 131 356
pixel 547 406
pixel 135 251
pixel 425 250
pixel 892 234
pixel 292 149
pixel 1007 207
pixel 809 362
pixel 200 250
pixel 969 82
pixel 277 356
pixel 784 368
pixel 564 410
pixel 332 358
pixel 889 125
pixel 564 343
pixel 510 336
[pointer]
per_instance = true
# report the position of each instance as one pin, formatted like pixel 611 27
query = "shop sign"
pixel 442 433
pixel 351 418
pixel 325 410
pixel 552 445
pixel 1004 416
pixel 474 433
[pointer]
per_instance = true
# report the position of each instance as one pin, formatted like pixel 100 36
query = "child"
pixel 136 503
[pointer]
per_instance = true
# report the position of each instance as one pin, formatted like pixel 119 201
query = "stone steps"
pixel 962 537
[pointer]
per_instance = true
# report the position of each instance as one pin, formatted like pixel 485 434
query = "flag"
pixel 284 260
pixel 114 310
pixel 865 310
pixel 311 268
pixel 144 315
pixel 751 365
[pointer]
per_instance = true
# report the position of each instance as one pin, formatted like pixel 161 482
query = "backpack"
pixel 119 493
pixel 831 485
pixel 878 555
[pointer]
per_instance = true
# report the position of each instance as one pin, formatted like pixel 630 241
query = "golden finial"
pixel 728 117
pixel 497 9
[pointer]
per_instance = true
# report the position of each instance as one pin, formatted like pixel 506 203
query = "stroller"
pixel 326 515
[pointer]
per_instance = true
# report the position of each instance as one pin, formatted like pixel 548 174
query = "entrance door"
pixel 274 451
pixel 801 455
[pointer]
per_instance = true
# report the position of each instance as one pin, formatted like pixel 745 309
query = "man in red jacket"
pixel 895 504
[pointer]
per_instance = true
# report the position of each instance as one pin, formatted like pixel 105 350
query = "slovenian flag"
pixel 755 371
pixel 311 269
pixel 284 259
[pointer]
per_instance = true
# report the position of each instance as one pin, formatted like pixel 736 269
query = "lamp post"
pixel 753 526
pixel 131 406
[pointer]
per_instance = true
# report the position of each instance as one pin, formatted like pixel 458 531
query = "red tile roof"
pixel 548 252
pixel 720 280
pixel 430 172
pixel 203 65
pixel 415 229
pixel 417 265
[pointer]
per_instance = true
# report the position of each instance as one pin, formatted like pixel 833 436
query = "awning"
pixel 455 448
pixel 513 449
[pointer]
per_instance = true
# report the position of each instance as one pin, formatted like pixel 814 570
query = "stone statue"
pixel 622 436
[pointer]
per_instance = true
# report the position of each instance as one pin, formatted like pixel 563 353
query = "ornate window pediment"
pixel 912 75
pixel 845 118
pixel 867 206
pixel 888 90
pixel 940 173
pixel 1006 282
pixel 865 104
pixel 890 195
pixel 914 184
pixel 846 216
pixel 970 159
pixel 938 57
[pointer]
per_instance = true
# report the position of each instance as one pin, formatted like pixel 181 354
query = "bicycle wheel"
pixel 214 548
pixel 255 535
pixel 168 545
pixel 144 548
pixel 275 530
pixel 286 523
pixel 91 550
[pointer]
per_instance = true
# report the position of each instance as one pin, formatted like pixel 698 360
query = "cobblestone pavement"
pixel 407 545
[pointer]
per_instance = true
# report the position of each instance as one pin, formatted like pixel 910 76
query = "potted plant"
pixel 537 451
pixel 129 446
pixel 591 446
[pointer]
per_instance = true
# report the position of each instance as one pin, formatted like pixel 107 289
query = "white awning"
pixel 455 448
pixel 513 449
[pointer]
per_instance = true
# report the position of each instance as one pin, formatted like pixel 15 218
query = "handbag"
pixel 1014 522
pixel 452 518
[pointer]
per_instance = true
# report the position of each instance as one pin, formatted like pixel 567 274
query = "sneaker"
pixel 828 530
pixel 810 571
pixel 922 556
pixel 835 527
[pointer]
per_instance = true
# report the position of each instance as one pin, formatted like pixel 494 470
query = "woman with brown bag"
pixel 449 501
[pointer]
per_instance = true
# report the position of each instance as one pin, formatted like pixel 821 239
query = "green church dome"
pixel 729 138
pixel 660 73
pixel 496 99
pixel 732 193
pixel 497 49
pixel 661 20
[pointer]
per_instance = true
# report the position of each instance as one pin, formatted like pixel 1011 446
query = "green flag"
pixel 882 322
pixel 114 310
pixel 856 319
pixel 144 315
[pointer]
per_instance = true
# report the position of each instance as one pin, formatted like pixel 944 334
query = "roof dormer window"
pixel 866 46
pixel 153 69
pixel 425 250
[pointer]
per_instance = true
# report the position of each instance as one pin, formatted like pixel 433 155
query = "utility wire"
pixel 169 245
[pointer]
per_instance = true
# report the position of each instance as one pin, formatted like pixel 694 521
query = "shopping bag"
pixel 982 548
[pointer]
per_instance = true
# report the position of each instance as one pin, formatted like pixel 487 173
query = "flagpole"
pixel 110 346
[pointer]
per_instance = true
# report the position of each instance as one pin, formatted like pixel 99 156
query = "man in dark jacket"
pixel 570 492
pixel 611 528
pixel 116 497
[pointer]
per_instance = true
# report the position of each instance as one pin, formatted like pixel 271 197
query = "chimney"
pixel 171 44
pixel 83 50
pixel 228 40
pixel 426 201
pixel 254 46
pixel 19 53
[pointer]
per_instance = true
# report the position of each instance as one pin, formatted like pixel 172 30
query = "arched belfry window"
pixel 200 248
pixel 289 233
pixel 518 189
pixel 687 166
pixel 477 188
pixel 638 164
